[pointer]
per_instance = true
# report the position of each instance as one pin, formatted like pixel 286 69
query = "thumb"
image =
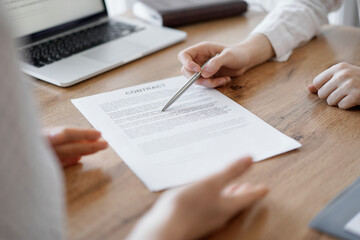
pixel 213 66
pixel 312 88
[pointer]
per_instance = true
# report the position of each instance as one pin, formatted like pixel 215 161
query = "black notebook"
pixel 174 13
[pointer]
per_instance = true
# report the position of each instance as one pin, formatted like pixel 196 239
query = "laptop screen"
pixel 34 16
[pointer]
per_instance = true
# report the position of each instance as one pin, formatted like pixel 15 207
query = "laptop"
pixel 64 42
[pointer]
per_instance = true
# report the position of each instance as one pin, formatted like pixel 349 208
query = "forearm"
pixel 258 50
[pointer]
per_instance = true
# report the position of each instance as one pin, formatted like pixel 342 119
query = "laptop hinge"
pixel 23 44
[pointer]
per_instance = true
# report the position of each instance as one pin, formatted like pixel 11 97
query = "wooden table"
pixel 105 198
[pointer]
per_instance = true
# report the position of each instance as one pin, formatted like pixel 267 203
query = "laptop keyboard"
pixel 65 46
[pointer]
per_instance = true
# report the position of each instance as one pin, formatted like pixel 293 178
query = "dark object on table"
pixel 173 13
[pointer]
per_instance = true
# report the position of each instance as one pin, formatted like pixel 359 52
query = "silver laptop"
pixel 65 41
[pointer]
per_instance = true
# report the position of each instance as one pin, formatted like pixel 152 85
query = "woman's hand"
pixel 232 61
pixel 193 211
pixel 218 72
pixel 339 85
pixel 70 144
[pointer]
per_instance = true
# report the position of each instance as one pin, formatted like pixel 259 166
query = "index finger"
pixel 68 135
pixel 188 62
pixel 199 54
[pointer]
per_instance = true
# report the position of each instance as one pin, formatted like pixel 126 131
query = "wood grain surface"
pixel 105 198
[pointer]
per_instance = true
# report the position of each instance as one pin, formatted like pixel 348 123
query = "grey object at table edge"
pixel 333 218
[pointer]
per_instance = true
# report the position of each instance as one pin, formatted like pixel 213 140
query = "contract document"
pixel 200 134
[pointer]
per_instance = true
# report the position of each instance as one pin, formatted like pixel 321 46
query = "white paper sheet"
pixel 198 135
pixel 353 226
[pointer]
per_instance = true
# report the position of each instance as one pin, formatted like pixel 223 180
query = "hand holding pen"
pixel 191 81
pixel 232 61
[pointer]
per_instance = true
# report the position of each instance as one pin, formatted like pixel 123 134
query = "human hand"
pixel 193 211
pixel 339 85
pixel 232 61
pixel 70 144
pixel 218 72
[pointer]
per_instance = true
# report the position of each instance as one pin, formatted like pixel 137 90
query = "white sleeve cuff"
pixel 281 54
pixel 280 38
pixel 294 23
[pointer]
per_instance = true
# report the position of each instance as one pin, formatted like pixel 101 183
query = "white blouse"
pixel 295 22
pixel 31 184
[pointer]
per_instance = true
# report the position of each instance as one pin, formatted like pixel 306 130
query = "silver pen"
pixel 193 79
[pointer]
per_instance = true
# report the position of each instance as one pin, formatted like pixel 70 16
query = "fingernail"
pixel 243 188
pixel 248 160
pixel 223 82
pixel 103 144
pixel 226 81
pixel 247 187
pixel 94 136
pixel 207 83
pixel 196 69
pixel 97 133
pixel 206 74
pixel 232 188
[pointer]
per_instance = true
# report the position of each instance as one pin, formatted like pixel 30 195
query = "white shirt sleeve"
pixel 31 184
pixel 294 23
